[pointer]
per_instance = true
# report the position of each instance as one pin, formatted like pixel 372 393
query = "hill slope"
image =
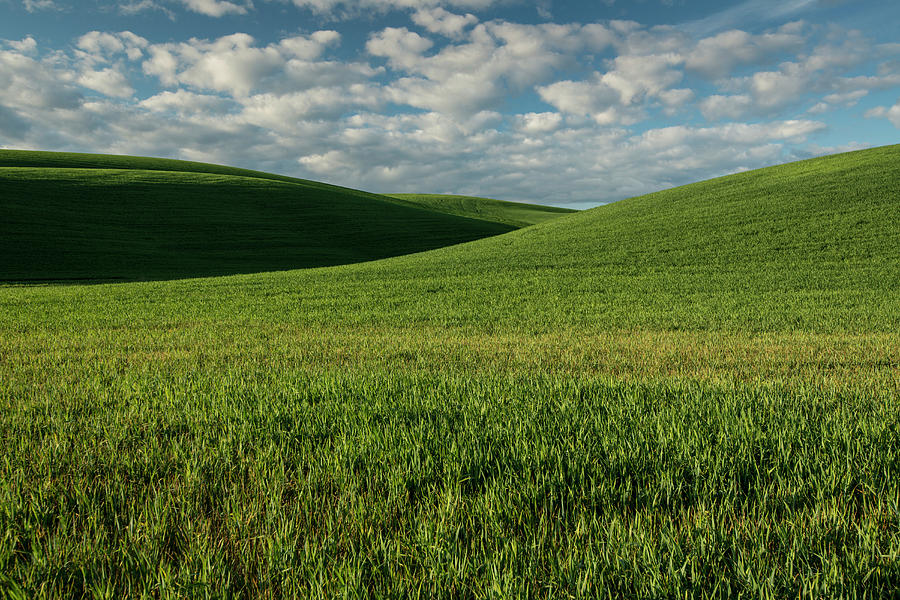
pixel 517 214
pixel 78 160
pixel 113 217
pixel 813 245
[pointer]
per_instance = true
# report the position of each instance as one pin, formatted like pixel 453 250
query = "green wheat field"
pixel 217 383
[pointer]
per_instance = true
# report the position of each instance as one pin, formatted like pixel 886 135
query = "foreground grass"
pixel 692 393
pixel 284 462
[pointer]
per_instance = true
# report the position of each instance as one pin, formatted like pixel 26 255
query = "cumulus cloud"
pixel 230 64
pixel 401 47
pixel 185 103
pixel 719 55
pixel 558 164
pixel 351 7
pixel 210 8
pixel 109 81
pixel 495 59
pixel 133 7
pixel 36 5
pixel 234 64
pixel 217 8
pixel 553 113
pixel 821 72
pixel 96 47
pixel 33 85
pixel 615 97
pixel 97 42
pixel 537 123
pixel 892 113
pixel 718 106
pixel 838 100
pixel 439 20
pixel 275 110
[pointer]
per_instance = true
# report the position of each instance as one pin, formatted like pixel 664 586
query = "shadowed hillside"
pixel 135 218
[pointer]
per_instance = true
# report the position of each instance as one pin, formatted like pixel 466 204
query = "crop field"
pixel 92 217
pixel 691 393
pixel 517 214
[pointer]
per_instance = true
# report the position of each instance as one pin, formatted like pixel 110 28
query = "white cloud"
pixel 353 7
pixel 821 72
pixel 233 64
pixel 109 81
pixel 495 60
pixel 403 48
pixel 717 56
pixel 27 45
pixel 33 85
pixel 838 100
pixel 438 20
pixel 274 111
pixel 230 64
pixel 99 47
pixel 892 113
pixel 637 77
pixel 674 99
pixel 96 42
pixel 846 99
pixel 184 102
pixel 217 8
pixel 587 98
pixel 286 106
pixel 774 89
pixel 616 96
pixel 134 7
pixel 544 122
pixel 566 164
pixel 309 48
pixel 36 5
pixel 819 108
pixel 651 62
pixel 726 107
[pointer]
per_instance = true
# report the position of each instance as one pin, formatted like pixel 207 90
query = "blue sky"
pixel 566 103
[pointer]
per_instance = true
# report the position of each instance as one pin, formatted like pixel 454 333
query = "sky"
pixel 563 103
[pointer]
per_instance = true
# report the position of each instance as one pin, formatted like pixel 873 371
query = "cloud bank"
pixel 553 112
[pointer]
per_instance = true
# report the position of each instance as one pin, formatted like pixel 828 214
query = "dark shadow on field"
pixel 91 225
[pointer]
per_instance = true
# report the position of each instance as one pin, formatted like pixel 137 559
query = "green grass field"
pixel 517 214
pixel 691 393
pixel 95 217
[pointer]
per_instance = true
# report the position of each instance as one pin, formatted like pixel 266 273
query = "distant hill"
pixel 813 245
pixel 67 216
pixel 807 246
pixel 517 214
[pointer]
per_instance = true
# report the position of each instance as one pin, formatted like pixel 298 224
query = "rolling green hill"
pixel 517 214
pixel 690 393
pixel 71 216
pixel 78 160
pixel 811 245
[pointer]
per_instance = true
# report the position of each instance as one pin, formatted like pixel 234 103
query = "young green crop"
pixel 108 219
pixel 517 214
pixel 693 393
